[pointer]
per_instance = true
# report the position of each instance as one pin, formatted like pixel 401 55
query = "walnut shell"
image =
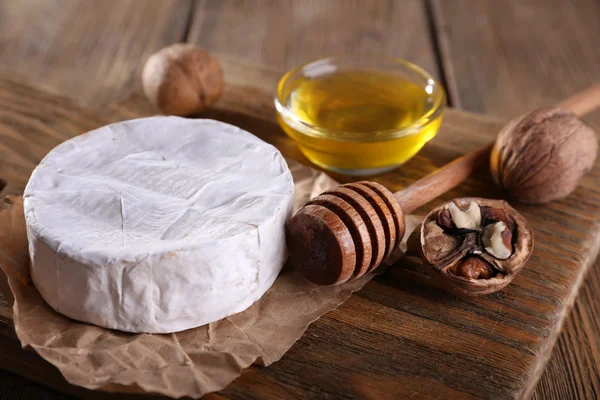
pixel 182 79
pixel 458 259
pixel 540 157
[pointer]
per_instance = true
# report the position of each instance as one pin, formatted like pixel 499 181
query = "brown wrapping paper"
pixel 190 363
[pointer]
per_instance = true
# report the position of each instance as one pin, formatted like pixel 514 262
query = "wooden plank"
pixel 19 388
pixel 399 336
pixel 282 34
pixel 91 52
pixel 507 57
pixel 32 127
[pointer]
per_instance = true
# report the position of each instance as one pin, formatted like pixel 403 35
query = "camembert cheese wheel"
pixel 158 224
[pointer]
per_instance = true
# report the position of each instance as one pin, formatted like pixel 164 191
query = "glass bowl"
pixel 359 116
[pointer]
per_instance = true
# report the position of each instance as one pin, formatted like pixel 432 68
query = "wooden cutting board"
pixel 399 336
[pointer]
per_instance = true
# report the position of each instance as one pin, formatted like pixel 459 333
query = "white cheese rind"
pixel 158 224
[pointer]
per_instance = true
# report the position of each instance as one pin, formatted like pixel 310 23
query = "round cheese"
pixel 158 224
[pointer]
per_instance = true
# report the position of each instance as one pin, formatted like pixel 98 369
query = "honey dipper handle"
pixel 583 102
pixel 450 175
pixel 440 181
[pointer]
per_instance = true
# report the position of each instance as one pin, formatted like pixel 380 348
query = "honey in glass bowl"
pixel 359 117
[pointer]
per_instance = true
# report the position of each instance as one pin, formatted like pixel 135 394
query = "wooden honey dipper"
pixel 348 231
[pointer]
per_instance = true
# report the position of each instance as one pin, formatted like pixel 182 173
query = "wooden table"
pixel 497 57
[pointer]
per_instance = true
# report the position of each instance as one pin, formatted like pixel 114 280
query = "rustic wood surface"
pixel 496 57
pixel 91 52
pixel 399 336
pixel 516 55
pixel 282 34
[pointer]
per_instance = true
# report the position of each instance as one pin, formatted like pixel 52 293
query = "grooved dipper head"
pixel 344 233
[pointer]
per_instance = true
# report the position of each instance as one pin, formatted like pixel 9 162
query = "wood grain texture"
pixel 507 57
pixel 282 34
pixel 399 336
pixel 453 174
pixel 15 387
pixel 91 52
pixel 32 126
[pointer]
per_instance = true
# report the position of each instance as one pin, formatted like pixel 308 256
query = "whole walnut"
pixel 182 79
pixel 540 157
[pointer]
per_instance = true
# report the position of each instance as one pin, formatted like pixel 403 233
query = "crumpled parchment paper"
pixel 189 363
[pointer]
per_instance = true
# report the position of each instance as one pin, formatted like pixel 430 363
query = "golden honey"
pixel 357 120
